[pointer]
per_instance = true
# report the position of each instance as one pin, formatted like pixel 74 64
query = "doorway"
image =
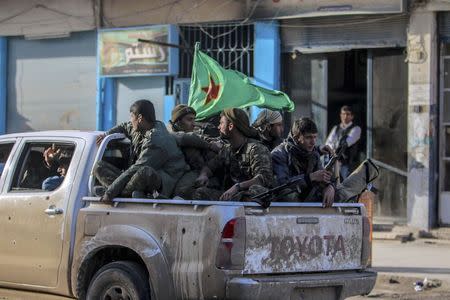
pixel 375 84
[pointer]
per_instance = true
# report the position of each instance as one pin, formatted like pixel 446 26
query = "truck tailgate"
pixel 303 239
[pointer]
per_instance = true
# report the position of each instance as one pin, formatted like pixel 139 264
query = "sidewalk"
pixel 387 232
pixel 400 265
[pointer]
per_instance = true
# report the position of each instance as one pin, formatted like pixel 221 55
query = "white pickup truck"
pixel 65 242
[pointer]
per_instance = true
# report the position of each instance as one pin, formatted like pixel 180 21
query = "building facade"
pixel 388 59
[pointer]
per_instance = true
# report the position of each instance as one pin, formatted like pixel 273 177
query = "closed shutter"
pixel 336 33
pixel 130 89
pixel 52 83
pixel 444 26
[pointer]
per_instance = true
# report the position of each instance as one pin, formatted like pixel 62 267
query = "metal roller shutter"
pixel 52 83
pixel 444 26
pixel 327 34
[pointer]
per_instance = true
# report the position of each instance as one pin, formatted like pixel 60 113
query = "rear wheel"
pixel 120 280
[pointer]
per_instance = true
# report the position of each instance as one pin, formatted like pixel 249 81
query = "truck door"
pixel 33 210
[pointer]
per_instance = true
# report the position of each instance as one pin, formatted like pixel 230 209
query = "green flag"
pixel 214 88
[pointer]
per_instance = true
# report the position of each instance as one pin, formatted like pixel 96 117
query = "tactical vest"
pixel 350 155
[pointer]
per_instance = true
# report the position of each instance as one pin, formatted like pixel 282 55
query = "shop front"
pixel 331 61
pixel 444 120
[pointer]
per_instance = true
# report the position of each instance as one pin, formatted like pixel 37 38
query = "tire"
pixel 119 280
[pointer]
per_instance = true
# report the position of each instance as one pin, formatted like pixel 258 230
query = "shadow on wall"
pixel 21 123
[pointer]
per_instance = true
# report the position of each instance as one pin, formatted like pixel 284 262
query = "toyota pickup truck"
pixel 65 242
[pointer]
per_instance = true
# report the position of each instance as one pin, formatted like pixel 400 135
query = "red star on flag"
pixel 212 90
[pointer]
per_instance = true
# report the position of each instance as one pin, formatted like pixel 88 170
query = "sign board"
pixel 313 8
pixel 120 53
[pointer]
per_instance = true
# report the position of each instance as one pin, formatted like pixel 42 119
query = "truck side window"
pixel 117 153
pixel 42 166
pixel 5 150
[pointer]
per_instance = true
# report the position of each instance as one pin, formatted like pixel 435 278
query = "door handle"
pixel 53 210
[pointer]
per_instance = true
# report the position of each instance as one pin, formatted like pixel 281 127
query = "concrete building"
pixel 386 58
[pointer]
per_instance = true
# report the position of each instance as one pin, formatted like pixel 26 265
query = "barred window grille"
pixel 230 45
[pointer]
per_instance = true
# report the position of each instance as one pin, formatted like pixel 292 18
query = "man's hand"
pixel 215 146
pixel 106 199
pixel 50 154
pixel 201 180
pixel 100 138
pixel 321 176
pixel 325 149
pixel 228 195
pixel 328 196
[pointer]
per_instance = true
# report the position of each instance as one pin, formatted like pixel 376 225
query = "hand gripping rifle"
pixel 328 167
pixel 264 199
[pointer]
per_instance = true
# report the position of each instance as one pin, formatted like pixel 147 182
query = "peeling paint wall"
pixel 422 118
pixel 51 83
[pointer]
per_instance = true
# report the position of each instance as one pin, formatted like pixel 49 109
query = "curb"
pixel 408 234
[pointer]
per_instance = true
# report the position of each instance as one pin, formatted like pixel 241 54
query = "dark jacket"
pixel 155 148
pixel 289 159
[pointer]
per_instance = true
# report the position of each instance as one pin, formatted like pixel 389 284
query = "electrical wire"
pixel 143 11
pixel 197 5
pixel 234 29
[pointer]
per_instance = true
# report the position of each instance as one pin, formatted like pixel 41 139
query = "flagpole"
pixel 165 44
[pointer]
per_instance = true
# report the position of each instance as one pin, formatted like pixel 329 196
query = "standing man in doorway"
pixel 347 134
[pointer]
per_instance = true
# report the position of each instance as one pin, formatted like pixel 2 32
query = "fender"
pixel 141 242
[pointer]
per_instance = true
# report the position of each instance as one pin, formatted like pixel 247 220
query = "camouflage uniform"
pixel 251 160
pixel 196 153
pixel 158 163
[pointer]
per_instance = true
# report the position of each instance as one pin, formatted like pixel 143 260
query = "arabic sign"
pixel 120 53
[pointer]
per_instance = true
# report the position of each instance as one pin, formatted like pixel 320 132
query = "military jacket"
pixel 289 161
pixel 157 149
pixel 251 160
pixel 194 147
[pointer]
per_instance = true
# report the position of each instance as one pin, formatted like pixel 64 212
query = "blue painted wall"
pixel 3 82
pixel 169 104
pixel 266 70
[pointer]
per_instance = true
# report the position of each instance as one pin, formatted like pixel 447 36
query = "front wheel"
pixel 120 280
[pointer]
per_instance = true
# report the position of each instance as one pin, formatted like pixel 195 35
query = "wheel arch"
pixel 123 242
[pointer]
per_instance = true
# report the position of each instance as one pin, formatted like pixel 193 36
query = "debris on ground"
pixel 426 284
pixel 394 280
pixel 418 286
pixel 406 238
pixel 432 289
pixel 432 283
pixel 423 234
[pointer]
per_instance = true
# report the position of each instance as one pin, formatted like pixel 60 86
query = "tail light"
pixel 231 249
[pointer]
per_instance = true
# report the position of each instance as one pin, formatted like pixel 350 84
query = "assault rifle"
pixel 328 167
pixel 264 199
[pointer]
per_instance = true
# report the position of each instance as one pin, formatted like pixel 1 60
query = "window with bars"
pixel 230 45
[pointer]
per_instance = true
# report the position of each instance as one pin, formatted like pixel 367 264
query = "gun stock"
pixel 265 199
pixel 329 166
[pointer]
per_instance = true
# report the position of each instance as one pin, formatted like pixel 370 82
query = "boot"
pixel 138 194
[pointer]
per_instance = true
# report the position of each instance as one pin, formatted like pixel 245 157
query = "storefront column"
pixel 422 120
pixel 266 58
pixel 106 103
pixel 3 82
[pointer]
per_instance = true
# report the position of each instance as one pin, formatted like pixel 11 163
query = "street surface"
pixel 407 263
pixel 404 263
